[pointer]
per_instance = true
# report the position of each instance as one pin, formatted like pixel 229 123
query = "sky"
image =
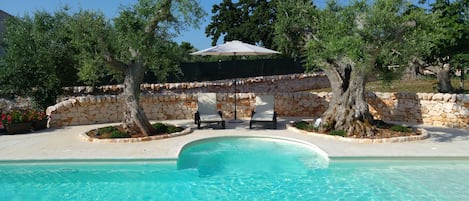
pixel 111 9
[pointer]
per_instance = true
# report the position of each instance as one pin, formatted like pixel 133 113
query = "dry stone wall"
pixel 262 84
pixel 450 110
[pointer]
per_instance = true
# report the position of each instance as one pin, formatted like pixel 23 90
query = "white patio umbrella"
pixel 235 48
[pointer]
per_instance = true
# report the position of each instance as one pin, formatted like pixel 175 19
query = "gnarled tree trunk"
pixel 413 69
pixel 444 79
pixel 348 109
pixel 135 120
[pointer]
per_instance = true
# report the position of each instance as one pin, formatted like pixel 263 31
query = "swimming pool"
pixel 238 169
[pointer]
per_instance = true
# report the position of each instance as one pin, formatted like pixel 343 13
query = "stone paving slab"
pixel 65 143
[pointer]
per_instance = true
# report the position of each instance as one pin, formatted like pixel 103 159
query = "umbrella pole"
pixel 235 109
pixel 235 120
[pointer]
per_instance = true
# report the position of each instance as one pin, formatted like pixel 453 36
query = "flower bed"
pixel 23 121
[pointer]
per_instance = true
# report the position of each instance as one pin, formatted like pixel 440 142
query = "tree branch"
pixel 161 14
pixel 400 31
pixel 109 58
pixel 112 62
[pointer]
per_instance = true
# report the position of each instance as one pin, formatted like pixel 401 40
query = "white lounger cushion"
pixel 264 108
pixel 207 103
pixel 207 107
pixel 210 117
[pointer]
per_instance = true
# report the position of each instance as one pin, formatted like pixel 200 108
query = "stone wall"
pixel 450 110
pixel 7 105
pixel 262 84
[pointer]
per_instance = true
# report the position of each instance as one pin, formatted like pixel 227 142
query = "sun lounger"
pixel 264 111
pixel 207 111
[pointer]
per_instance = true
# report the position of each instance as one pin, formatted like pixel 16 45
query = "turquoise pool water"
pixel 238 169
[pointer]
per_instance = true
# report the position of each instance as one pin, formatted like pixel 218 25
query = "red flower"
pixel 5 119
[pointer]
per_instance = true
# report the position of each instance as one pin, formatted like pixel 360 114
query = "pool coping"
pixel 65 143
pixel 424 135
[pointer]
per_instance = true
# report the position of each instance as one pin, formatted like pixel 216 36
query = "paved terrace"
pixel 65 143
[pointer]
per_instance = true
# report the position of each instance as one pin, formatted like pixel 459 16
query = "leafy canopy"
pixel 248 21
pixel 38 58
pixel 373 36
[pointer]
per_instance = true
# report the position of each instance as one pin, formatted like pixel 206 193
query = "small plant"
pixel 107 129
pixel 399 128
pixel 160 128
pixel 118 134
pixel 15 116
pixel 36 115
pixel 173 129
pixel 338 132
pixel 303 125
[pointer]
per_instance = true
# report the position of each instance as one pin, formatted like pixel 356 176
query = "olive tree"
pixel 350 43
pixel 38 58
pixel 295 22
pixel 138 40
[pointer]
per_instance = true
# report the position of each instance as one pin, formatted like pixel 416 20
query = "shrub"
pixel 338 132
pixel 173 129
pixel 399 128
pixel 160 127
pixel 118 134
pixel 305 126
pixel 107 129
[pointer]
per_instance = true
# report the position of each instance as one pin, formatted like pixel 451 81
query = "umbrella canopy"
pixel 235 48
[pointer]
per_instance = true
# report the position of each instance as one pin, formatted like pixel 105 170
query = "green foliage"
pixel 303 125
pixel 400 128
pixel 294 21
pixel 88 30
pixel 96 37
pixel 161 128
pixel 112 132
pixel 46 52
pixel 119 134
pixel 173 129
pixel 246 20
pixel 107 129
pixel 15 116
pixel 338 133
pixel 373 35
pixel 38 59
